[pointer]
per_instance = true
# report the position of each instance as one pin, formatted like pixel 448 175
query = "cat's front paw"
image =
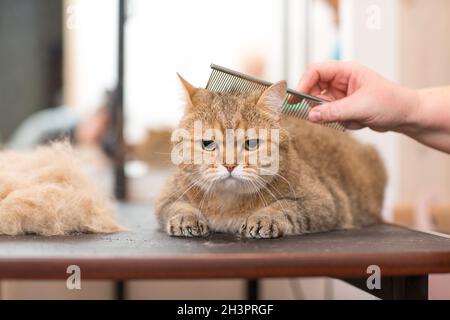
pixel 187 225
pixel 261 226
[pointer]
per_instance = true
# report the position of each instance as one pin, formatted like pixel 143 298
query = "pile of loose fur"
pixel 45 192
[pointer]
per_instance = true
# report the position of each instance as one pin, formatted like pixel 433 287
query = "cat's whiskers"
pixel 261 196
pixel 251 192
pixel 189 187
pixel 264 186
pixel 280 176
pixel 199 182
pixel 207 194
pixel 267 188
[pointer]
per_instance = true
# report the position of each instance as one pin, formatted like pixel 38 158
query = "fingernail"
pixel 315 116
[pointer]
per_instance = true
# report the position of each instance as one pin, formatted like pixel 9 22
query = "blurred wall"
pixel 370 36
pixel 425 52
pixel 30 59
pixel 90 52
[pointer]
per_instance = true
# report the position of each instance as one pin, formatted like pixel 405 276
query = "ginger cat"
pixel 325 180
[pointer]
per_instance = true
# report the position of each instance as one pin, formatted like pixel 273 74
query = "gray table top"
pixel 144 252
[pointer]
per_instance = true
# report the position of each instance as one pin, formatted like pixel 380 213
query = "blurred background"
pixel 68 69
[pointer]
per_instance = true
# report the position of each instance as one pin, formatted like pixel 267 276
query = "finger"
pixel 336 93
pixel 313 92
pixel 321 73
pixel 340 110
pixel 354 125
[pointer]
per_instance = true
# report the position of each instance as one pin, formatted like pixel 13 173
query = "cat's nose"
pixel 230 167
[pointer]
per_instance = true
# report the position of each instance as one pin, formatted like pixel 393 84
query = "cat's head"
pixel 235 142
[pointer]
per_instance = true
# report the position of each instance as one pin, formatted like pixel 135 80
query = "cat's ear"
pixel 272 98
pixel 189 90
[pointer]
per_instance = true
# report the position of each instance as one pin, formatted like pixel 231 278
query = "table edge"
pixel 244 265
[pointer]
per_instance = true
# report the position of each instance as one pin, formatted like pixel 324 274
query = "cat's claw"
pixel 260 227
pixel 187 225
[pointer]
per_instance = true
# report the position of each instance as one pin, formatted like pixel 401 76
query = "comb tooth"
pixel 303 105
pixel 243 85
pixel 259 86
pixel 307 109
pixel 235 83
pixel 215 82
pixel 240 83
pixel 224 83
pixel 217 79
pixel 284 106
pixel 300 109
pixel 253 87
pixel 295 110
pixel 212 81
pixel 292 109
pixel 248 86
pixel 211 77
pixel 298 112
pixel 289 106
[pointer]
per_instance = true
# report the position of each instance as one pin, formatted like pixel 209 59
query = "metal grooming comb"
pixel 295 104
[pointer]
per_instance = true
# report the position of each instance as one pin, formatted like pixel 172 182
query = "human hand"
pixel 359 96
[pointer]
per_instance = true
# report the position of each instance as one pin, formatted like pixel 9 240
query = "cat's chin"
pixel 231 183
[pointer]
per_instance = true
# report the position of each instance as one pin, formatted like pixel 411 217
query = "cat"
pixel 325 179
pixel 44 192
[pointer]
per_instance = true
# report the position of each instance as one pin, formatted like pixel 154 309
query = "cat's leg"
pixel 309 213
pixel 182 219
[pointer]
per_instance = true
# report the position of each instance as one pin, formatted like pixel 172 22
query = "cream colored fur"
pixel 44 192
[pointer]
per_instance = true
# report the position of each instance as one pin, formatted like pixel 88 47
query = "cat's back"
pixel 319 142
pixel 334 152
pixel 343 164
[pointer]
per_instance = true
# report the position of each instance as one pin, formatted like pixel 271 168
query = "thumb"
pixel 340 110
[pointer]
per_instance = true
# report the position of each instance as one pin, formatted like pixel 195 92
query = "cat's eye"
pixel 251 144
pixel 209 145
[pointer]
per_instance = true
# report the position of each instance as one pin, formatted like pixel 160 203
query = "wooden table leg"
pixel 411 288
pixel 396 288
pixel 252 289
pixel 119 287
